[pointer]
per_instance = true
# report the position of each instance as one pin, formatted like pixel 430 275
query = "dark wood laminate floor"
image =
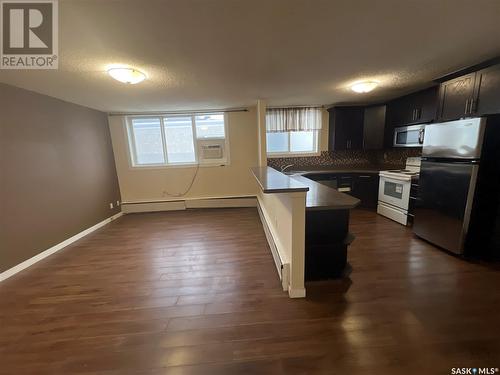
pixel 196 292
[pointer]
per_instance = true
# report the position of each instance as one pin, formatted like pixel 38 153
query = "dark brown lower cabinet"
pixel 327 241
pixel 363 186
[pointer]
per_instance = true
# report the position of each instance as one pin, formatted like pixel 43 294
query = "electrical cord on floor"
pixel 188 188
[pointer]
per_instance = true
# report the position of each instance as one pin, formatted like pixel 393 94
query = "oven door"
pixel 394 192
pixel 409 136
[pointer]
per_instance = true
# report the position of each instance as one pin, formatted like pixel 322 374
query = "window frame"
pixel 281 154
pixel 132 150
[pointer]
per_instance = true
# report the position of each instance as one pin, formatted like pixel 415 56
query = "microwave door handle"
pixel 396 134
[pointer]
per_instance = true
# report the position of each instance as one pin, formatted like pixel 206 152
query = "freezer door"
pixel 444 203
pixel 460 139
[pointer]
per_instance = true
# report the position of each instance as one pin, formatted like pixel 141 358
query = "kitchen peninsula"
pixel 320 212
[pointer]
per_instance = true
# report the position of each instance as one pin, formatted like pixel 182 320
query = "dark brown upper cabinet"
pixel 418 107
pixel 414 108
pixel 457 97
pixel 357 128
pixel 346 128
pixel 373 127
pixel 487 96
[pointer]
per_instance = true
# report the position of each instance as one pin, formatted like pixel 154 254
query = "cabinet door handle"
pixel 471 106
pixel 466 106
pixel 413 115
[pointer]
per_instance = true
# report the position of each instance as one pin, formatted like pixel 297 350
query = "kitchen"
pixel 427 160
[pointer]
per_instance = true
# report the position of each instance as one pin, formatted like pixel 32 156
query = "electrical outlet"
pixel 111 206
pixel 117 203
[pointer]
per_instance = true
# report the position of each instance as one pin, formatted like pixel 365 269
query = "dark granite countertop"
pixel 322 197
pixel 372 169
pixel 272 181
pixel 318 196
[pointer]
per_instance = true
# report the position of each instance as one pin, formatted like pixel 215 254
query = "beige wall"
pixel 57 173
pixel 156 184
pixel 261 132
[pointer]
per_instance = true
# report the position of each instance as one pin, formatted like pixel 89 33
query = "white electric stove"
pixel 394 191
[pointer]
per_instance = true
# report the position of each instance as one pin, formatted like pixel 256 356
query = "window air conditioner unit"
pixel 212 151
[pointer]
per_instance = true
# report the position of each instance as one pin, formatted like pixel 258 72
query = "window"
pixel 177 139
pixel 148 143
pixel 301 142
pixel 278 142
pixel 293 131
pixel 210 127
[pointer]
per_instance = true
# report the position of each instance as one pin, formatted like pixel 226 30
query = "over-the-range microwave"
pixel 409 136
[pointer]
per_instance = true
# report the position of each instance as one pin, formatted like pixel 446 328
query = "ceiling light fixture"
pixel 127 75
pixel 365 86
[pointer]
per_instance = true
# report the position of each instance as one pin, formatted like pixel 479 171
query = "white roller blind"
pixel 293 119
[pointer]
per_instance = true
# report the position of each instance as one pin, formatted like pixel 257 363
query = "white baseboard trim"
pixel 44 254
pixel 296 293
pixel 176 205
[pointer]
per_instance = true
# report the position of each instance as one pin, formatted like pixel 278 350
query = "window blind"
pixel 293 119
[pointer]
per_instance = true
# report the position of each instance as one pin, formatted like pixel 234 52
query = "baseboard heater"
pixel 282 268
pixel 184 204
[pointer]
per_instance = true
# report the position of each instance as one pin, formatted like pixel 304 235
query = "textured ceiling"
pixel 228 53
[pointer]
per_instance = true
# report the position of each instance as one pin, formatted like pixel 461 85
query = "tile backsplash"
pixel 392 158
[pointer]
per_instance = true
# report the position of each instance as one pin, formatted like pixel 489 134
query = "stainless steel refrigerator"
pixel 459 185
